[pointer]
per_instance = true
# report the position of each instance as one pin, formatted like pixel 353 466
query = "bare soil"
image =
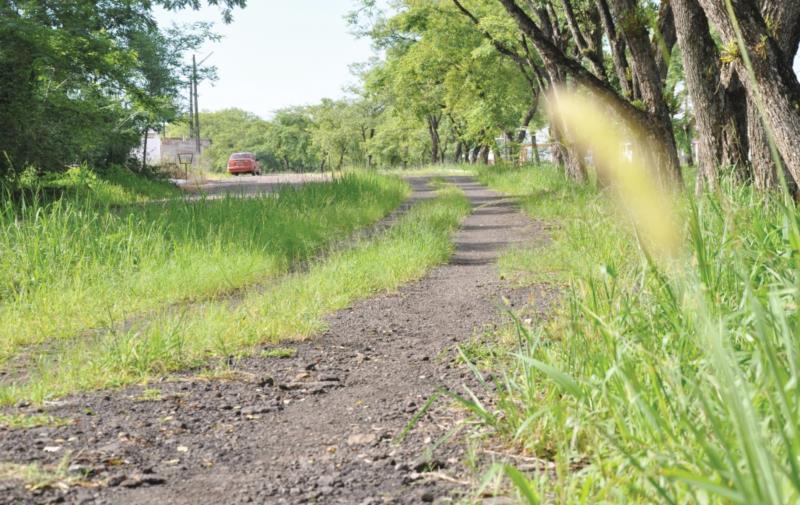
pixel 322 426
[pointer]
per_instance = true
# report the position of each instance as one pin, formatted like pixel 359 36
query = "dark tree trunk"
pixel 649 79
pixel 617 45
pixel 689 151
pixel 144 150
pixel 433 129
pixel 473 157
pixel 535 150
pixel 483 155
pixel 457 154
pixel 585 46
pixel 664 40
pixel 773 80
pixel 716 126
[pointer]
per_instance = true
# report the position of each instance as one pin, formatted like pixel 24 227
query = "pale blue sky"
pixel 278 53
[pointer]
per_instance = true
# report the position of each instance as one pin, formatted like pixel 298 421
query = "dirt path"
pixel 316 427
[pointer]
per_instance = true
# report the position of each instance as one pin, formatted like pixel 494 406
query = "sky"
pixel 277 53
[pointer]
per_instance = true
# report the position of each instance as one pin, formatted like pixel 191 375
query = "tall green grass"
pixel 673 382
pixel 75 265
pixel 292 308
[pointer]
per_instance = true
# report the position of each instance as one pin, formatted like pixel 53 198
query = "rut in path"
pixel 314 428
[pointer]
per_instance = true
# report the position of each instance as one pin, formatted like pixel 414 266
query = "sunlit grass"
pixel 74 265
pixel 668 384
pixel 292 308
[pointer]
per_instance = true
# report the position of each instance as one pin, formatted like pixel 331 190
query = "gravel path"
pixel 317 427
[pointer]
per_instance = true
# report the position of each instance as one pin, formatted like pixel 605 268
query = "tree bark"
pixel 773 82
pixel 664 40
pixel 658 128
pixel 712 109
pixel 144 150
pixel 787 34
pixel 457 154
pixel 433 129
pixel 483 155
pixel 584 45
pixel 665 153
pixel 617 45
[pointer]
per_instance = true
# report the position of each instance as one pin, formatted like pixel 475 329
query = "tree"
pixel 83 79
pixel 771 84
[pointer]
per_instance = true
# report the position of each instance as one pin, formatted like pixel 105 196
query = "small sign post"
pixel 186 159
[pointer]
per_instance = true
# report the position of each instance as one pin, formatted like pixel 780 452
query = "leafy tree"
pixel 82 79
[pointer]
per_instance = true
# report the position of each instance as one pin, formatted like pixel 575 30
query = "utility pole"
pixel 196 108
pixel 191 108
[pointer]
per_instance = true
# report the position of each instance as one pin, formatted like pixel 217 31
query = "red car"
pixel 243 163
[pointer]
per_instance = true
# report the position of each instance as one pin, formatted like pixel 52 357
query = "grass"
pixel 112 186
pixel 279 352
pixel 291 308
pixel 667 382
pixel 77 264
pixel 27 421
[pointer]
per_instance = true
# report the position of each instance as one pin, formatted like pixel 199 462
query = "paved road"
pixel 248 185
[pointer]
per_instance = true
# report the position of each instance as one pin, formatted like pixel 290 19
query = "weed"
pixel 36 476
pixel 279 352
pixel 673 383
pixel 27 421
pixel 149 395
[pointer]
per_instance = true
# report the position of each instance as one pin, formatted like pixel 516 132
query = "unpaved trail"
pixel 314 428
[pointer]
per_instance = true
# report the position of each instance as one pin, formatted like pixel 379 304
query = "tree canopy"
pixel 82 80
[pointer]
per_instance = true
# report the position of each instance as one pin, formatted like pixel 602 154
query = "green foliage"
pixel 82 80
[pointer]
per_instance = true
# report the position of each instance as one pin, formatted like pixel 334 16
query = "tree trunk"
pixel 656 123
pixel 535 150
pixel 585 49
pixel 144 149
pixel 457 154
pixel 773 82
pixel 483 155
pixel 664 39
pixel 714 119
pixel 664 153
pixel 433 129
pixel 473 157
pixel 764 174
pixel 617 45
pixel 689 151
